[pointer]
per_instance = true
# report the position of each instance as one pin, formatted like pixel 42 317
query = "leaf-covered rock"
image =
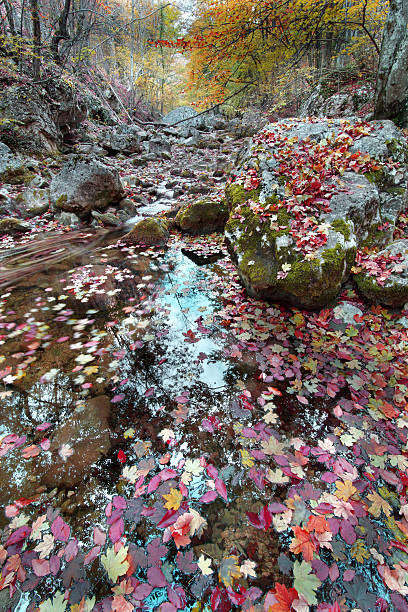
pixel 387 283
pixel 304 199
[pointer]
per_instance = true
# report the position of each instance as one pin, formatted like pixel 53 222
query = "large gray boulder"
pixel 323 103
pixel 187 114
pixel 157 146
pixel 393 289
pixel 124 139
pixel 84 185
pixel 305 198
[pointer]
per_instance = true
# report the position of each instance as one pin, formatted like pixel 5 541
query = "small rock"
pixel 128 206
pixel 346 313
pixel 68 219
pixel 106 218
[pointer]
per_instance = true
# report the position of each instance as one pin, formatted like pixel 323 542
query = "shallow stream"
pixel 142 385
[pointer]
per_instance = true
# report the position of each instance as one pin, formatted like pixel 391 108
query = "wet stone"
pixel 88 433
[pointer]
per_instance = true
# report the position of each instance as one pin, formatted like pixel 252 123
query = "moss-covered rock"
pixel 203 217
pixel 265 251
pixel 12 169
pixel 151 232
pixel 11 225
pixel 394 291
pixel 33 202
pixel 236 194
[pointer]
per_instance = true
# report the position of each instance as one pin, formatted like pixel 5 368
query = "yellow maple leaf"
pixel 115 563
pixel 345 490
pixel 378 504
pixel 91 370
pixel 359 552
pixel 174 499
pixel 246 458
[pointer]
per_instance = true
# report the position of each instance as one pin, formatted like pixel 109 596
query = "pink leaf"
pixel 41 567
pixel 117 398
pixel 221 488
pixel 321 569
pixel 329 477
pixel 93 553
pixel 55 563
pixel 99 537
pixel 167 474
pixel 208 497
pixel 334 572
pixel 168 607
pixel 119 502
pixel 43 426
pixel 347 532
pixel 116 530
pixel 18 535
pixel 156 577
pixel 212 471
pixel 154 483
pixel 45 444
pixel 71 550
pixel 348 575
pixel 60 530
pixel 142 591
pixel 168 519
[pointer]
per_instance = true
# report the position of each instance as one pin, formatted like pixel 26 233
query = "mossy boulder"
pixel 271 268
pixel 84 185
pixel 150 232
pixel 33 202
pixel 11 225
pixel 394 290
pixel 203 217
pixel 12 169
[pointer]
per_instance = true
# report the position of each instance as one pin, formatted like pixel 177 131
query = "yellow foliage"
pixel 238 43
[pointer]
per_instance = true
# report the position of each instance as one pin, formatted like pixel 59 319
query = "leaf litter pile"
pixel 170 444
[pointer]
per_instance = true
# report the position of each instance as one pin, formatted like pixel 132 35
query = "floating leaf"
pixel 115 563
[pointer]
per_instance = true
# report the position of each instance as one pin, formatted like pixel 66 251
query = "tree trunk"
pixel 61 32
pixel 392 78
pixel 35 17
pixel 10 17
